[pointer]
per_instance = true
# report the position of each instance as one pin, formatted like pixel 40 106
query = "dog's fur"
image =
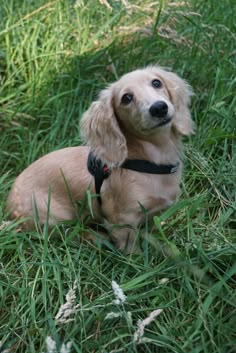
pixel 114 131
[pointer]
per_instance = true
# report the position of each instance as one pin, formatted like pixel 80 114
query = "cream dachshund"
pixel 132 162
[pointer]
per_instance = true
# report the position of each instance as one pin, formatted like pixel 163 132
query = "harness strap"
pixel 143 166
pixel 101 171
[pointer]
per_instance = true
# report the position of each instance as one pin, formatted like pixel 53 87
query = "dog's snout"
pixel 158 109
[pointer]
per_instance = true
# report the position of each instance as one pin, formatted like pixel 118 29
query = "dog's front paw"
pixel 126 241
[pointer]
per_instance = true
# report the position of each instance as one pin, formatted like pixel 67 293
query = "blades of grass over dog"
pixel 89 199
pixel 73 203
pixel 49 216
pixel 36 215
pixel 146 234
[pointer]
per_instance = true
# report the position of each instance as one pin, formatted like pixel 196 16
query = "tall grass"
pixel 55 56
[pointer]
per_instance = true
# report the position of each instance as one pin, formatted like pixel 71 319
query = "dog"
pixel 132 159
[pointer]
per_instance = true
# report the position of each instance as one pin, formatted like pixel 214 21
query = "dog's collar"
pixel 144 166
pixel 100 171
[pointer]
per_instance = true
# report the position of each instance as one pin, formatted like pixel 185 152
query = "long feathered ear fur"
pixel 180 93
pixel 101 132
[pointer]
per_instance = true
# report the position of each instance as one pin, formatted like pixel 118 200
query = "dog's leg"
pixel 126 240
pixel 123 227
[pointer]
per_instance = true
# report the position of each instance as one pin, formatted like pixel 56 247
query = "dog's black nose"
pixel 158 109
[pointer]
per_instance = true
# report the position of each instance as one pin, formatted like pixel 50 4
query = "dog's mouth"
pixel 163 121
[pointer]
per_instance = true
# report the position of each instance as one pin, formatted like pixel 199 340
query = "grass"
pixel 54 58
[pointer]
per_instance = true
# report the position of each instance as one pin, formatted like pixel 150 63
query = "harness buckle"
pixel 174 168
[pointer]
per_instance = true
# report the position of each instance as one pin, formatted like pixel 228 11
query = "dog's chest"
pixel 159 191
pixel 154 192
pixel 130 192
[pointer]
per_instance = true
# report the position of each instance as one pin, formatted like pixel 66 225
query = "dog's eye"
pixel 157 83
pixel 127 98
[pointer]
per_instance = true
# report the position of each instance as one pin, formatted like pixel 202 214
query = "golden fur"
pixel 114 131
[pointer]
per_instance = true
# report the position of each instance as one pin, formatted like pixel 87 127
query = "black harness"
pixel 100 171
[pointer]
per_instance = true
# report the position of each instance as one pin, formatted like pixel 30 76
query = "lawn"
pixel 178 296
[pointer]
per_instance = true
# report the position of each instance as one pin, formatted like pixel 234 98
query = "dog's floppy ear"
pixel 100 130
pixel 180 93
pixel 183 121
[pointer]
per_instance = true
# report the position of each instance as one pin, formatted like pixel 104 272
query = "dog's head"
pixel 145 103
